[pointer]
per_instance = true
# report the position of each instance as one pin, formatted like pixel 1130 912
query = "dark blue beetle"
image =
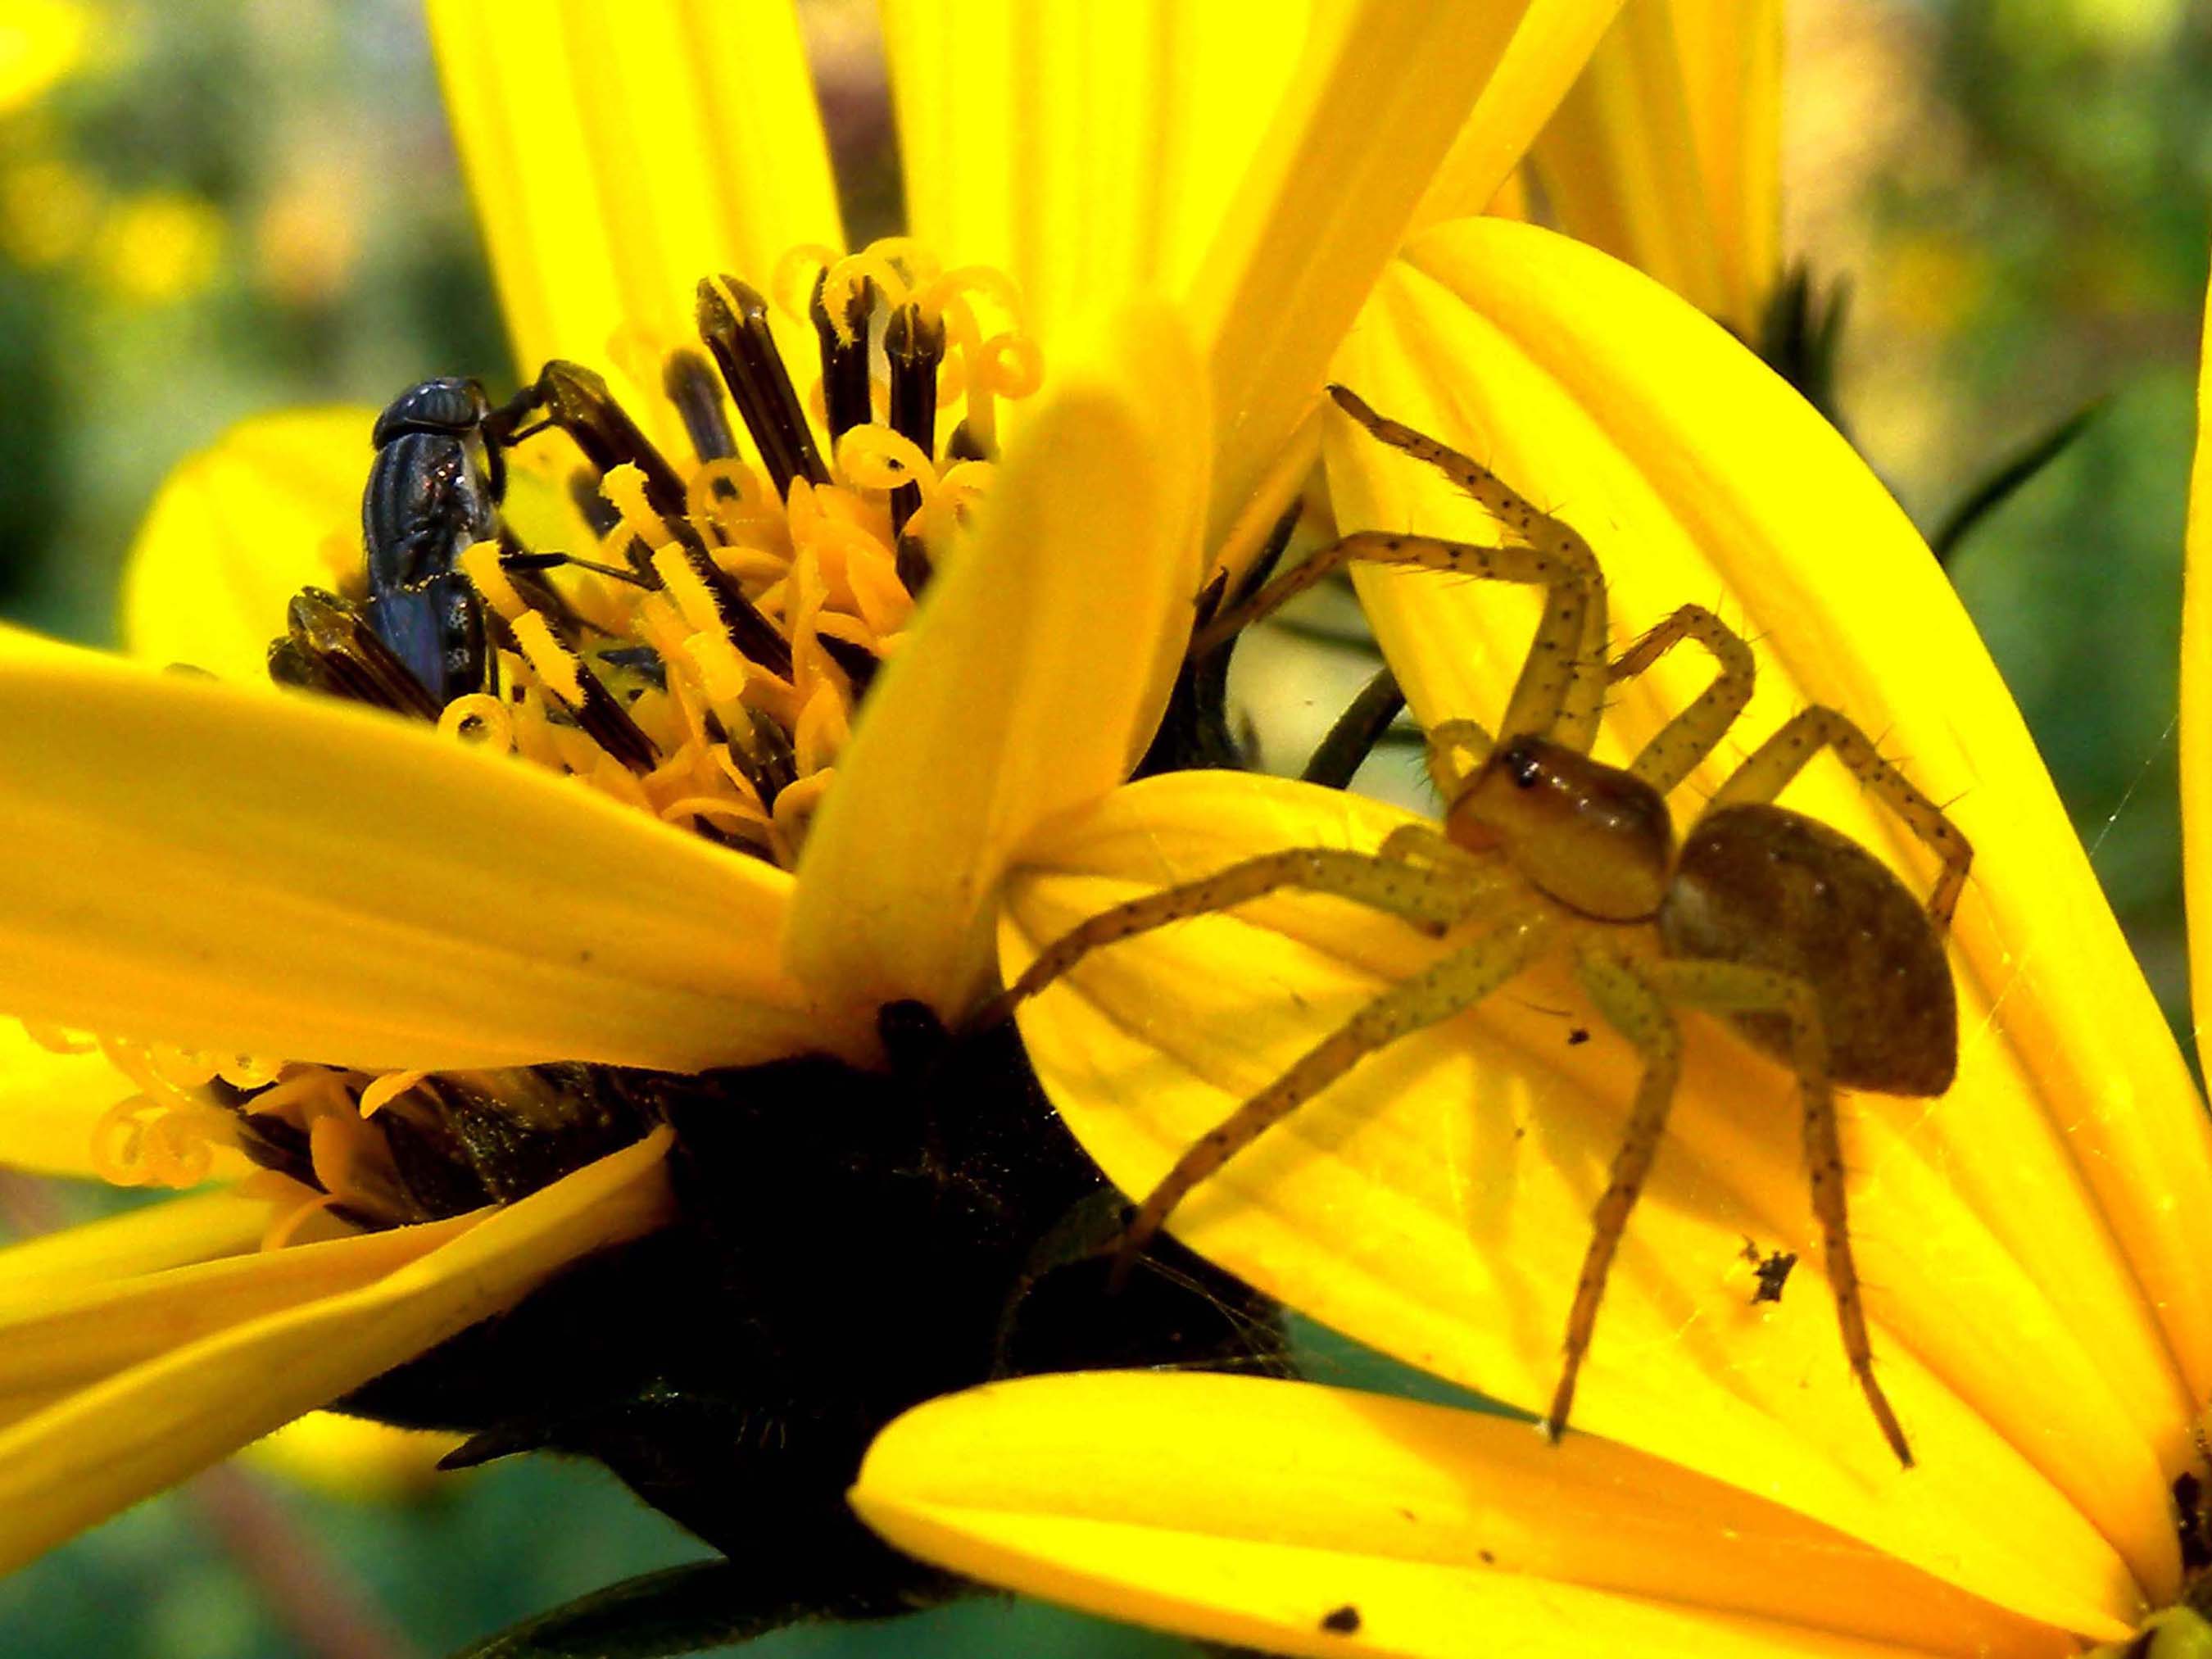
pixel 433 491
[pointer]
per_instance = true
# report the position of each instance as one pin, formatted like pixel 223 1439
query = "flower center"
pixel 694 641
pixel 699 646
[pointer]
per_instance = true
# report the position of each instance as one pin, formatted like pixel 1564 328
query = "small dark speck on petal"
pixel 1342 1621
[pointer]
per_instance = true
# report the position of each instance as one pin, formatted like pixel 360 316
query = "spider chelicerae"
pixel 1791 930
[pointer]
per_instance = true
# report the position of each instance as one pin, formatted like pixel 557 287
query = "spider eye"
pixel 1525 767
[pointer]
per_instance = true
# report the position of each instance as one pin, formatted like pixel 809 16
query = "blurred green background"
pixel 209 209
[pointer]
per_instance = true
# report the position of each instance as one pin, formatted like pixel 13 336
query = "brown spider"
pixel 1801 938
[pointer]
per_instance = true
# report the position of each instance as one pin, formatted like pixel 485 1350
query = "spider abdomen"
pixel 1772 889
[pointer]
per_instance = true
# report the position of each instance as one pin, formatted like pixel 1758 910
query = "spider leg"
pixel 1573 719
pixel 1684 741
pixel 1631 1008
pixel 1429 896
pixel 1557 678
pixel 1448 988
pixel 1782 755
pixel 1728 988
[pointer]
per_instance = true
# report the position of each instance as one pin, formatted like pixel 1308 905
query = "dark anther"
pixel 844 359
pixel 602 716
pixel 765 755
pixel 964 446
pixel 915 346
pixel 733 322
pixel 911 560
pixel 576 400
pixel 1356 732
pixel 689 380
pixel 595 509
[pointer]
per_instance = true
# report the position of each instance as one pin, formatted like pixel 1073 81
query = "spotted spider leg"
pixel 1782 755
pixel 1561 689
pixel 1680 745
pixel 1444 989
pixel 1406 878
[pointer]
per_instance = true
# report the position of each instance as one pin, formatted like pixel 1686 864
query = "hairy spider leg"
pixel 1430 896
pixel 1728 987
pixel 1632 1008
pixel 1552 675
pixel 1573 645
pixel 1678 747
pixel 1782 755
pixel 1561 690
pixel 1444 989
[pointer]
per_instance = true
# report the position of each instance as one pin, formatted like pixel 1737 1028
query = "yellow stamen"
pixel 383 1090
pixel 479 718
pixel 550 661
pixel 480 564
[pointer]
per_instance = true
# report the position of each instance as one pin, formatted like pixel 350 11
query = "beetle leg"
pixel 1632 1008
pixel 1428 896
pixel 1728 987
pixel 1445 988
pixel 1782 755
pixel 1686 740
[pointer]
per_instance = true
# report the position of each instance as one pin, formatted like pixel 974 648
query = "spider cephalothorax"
pixel 1796 935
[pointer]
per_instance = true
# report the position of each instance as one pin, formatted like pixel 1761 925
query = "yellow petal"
pixel 353 1459
pixel 50 1104
pixel 1620 161
pixel 2074 1132
pixel 100 1450
pixel 618 153
pixel 1378 97
pixel 1088 151
pixel 236 531
pixel 2197 704
pixel 1256 1512
pixel 174 1233
pixel 1550 47
pixel 1730 52
pixel 1035 672
pixel 244 874
pixel 63 1337
pixel 1435 1204
pixel 41 41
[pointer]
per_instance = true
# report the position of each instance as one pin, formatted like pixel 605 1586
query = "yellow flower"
pixel 41 41
pixel 218 872
pixel 2036 1244
pixel 1664 152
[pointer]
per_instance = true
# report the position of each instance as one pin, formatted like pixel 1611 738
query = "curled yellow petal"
pixel 1039 663
pixel 237 530
pixel 242 873
pixel 1298 1519
pixel 2073 1133
pixel 1435 1204
pixel 100 1450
